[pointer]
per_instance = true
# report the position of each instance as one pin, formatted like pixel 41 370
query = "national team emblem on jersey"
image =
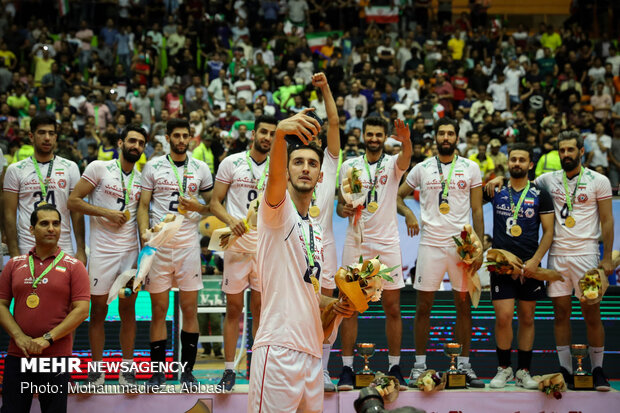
pixel 529 212
pixel 62 183
pixel 137 196
pixel 528 201
pixel 383 180
pixel 461 184
pixel 192 187
pixel 459 172
pixel 582 198
pixel 60 172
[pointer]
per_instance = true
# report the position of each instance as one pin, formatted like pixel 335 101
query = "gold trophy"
pixel 581 378
pixel 455 378
pixel 364 377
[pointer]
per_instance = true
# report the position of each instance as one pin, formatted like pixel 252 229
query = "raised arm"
pixel 333 132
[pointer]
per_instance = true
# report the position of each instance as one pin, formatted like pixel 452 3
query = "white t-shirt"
pixel 437 228
pixel 21 178
pixel 108 193
pixel 513 78
pixel 582 239
pixel 599 158
pixel 244 89
pixel 242 190
pixel 498 93
pixel 297 10
pixel 290 314
pixel 158 177
pixel 325 191
pixel 380 227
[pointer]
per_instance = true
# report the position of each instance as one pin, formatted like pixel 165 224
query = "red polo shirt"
pixel 65 283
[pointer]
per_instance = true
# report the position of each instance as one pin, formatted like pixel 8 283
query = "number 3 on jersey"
pixel 50 198
pixel 252 195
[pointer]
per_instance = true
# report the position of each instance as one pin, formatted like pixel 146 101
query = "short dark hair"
pixel 134 127
pixel 312 146
pixel 570 135
pixel 42 119
pixel 375 121
pixel 271 120
pixel 34 217
pixel 521 146
pixel 447 121
pixel 176 123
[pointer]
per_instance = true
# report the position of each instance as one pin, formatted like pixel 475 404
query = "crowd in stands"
pixel 222 63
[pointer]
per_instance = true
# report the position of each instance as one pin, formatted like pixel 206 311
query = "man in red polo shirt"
pixel 51 292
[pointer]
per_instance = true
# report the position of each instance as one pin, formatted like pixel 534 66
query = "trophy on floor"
pixel 455 378
pixel 364 377
pixel 581 378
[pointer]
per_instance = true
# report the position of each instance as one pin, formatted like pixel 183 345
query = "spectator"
pixel 551 39
pixel 244 88
pixel 500 160
pixel 601 102
pixel 353 99
pixel 597 146
pixel 500 94
pixel 243 112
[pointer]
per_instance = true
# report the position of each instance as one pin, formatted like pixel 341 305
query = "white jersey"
pixel 583 238
pixel 381 226
pixel 21 178
pixel 325 191
pixel 242 189
pixel 437 228
pixel 290 314
pixel 108 193
pixel 159 178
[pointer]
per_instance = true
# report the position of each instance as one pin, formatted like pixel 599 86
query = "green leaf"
pixel 387 278
pixel 361 259
pixel 457 241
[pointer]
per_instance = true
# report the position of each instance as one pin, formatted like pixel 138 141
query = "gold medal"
pixel 372 207
pixel 314 211
pixel 42 203
pixel 444 208
pixel 569 222
pixel 516 230
pixel 315 284
pixel 127 214
pixel 33 300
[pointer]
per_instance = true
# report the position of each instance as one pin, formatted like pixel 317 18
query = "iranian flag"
pixel 63 7
pixel 319 39
pixel 382 14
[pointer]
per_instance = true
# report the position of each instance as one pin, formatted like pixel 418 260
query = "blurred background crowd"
pixel 100 65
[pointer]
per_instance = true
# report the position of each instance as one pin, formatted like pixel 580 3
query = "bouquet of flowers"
pixel 593 285
pixel 357 283
pixel 387 386
pixel 430 381
pixel 506 263
pixel 352 192
pixel 223 238
pixel 551 384
pixel 469 249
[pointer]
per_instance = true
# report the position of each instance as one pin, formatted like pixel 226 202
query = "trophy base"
pixel 363 379
pixel 456 381
pixel 583 381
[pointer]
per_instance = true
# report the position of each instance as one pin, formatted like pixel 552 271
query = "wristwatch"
pixel 49 338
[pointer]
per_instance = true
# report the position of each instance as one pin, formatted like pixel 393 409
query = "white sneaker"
pixel 503 376
pixel 416 371
pixel 523 379
pixel 328 384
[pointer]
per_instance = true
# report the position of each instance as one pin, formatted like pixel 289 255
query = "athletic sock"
pixel 158 351
pixel 189 347
pixel 565 358
pixel 420 361
pixel 462 360
pixel 326 351
pixel 393 361
pixel 596 356
pixel 524 360
pixel 347 361
pixel 229 365
pixel 503 357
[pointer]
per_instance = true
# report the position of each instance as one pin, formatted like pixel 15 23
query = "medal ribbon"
pixel 43 182
pixel 309 245
pixel 126 191
pixel 45 271
pixel 261 181
pixel 374 183
pixel 176 175
pixel 571 199
pixel 445 185
pixel 515 210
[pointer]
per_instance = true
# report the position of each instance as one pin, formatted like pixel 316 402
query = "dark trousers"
pixel 18 399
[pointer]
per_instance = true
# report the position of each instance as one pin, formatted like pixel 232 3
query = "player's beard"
pixel 517 173
pixel 175 149
pixel 375 149
pixel 260 148
pixel 131 156
pixel 569 164
pixel 303 190
pixel 446 151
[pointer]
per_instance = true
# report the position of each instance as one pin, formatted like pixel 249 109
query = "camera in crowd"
pixel 370 400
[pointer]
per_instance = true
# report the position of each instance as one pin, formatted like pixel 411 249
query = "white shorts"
pixel 104 267
pixel 175 267
pixel 388 255
pixel 572 269
pixel 240 272
pixel 433 263
pixel 284 380
pixel 330 266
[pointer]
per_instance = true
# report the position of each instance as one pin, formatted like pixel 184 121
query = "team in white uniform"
pixel 113 188
pixel 25 188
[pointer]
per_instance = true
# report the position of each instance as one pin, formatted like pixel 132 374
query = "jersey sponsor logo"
pixel 62 183
pixel 383 180
pixel 461 184
pixel 529 213
pixel 582 198
pixel 192 187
